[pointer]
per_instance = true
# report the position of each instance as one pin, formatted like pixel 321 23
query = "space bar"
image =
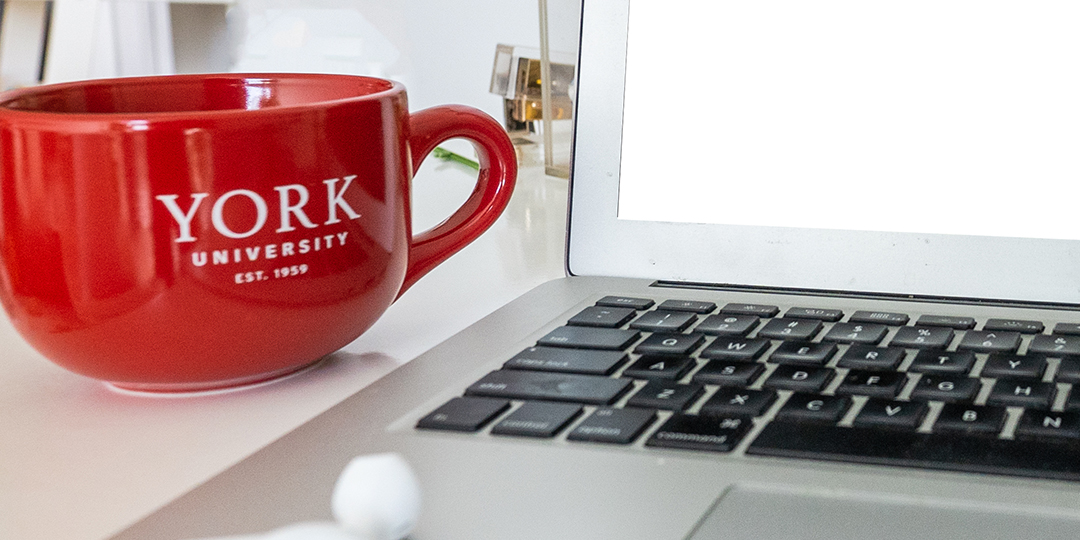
pixel 1040 459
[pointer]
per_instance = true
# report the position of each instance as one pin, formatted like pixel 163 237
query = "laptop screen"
pixel 922 116
pixel 919 147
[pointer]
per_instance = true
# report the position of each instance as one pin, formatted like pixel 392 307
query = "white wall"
pixel 453 47
pixel 442 50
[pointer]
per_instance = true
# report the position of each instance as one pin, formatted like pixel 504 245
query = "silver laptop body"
pixel 830 246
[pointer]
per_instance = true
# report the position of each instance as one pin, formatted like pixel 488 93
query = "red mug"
pixel 185 233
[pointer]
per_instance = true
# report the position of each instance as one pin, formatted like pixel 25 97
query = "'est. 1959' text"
pixel 262 275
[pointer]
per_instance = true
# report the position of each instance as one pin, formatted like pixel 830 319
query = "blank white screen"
pixel 945 116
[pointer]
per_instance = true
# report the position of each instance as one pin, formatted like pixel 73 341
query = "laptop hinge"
pixel 863 294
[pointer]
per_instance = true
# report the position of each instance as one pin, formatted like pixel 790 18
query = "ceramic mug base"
pixel 209 388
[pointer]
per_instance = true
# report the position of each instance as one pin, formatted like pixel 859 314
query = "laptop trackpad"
pixel 776 514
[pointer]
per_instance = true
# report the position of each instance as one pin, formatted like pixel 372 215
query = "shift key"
pixel 533 385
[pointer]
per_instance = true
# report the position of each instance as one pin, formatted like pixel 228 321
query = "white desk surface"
pixel 79 461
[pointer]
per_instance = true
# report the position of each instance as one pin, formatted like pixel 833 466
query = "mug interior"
pixel 199 93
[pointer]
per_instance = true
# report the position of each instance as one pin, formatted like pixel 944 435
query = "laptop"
pixel 823 282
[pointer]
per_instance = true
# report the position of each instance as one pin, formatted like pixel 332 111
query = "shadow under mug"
pixel 185 233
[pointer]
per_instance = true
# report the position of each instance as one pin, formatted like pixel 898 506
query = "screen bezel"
pixel 600 243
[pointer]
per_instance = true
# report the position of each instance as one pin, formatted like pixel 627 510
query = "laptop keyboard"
pixel 937 392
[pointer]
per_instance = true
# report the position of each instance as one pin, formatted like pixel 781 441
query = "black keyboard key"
pixel 914 337
pixel 613 426
pixel 659 367
pixel 1072 403
pixel 814 408
pixel 990 341
pixel 584 361
pixel 751 309
pixel 1037 395
pixel 856 333
pixel 583 337
pixel 957 323
pixel 542 419
pixel 625 301
pixel 1036 424
pixel 803 352
pixel 970 419
pixel 1015 325
pixel 1011 366
pixel 729 373
pixel 942 451
pixel 796 329
pixel 872 358
pixel 828 315
pixel 687 305
pixel 1068 371
pixel 799 379
pixel 664 321
pixel 739 402
pixel 604 317
pixel 878 384
pixel 943 362
pixel 741 349
pixel 670 344
pixel 881 317
pixel 710 433
pixel 537 385
pixel 727 325
pixel 944 388
pixel 666 395
pixel 1055 346
pixel 464 414
pixel 891 414
pixel 1067 329
pixel 831 315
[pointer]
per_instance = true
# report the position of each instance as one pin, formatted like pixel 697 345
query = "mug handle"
pixel 494 185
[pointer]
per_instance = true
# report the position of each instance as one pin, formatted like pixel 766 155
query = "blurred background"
pixel 442 50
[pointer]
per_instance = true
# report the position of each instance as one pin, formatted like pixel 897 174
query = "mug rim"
pixel 6 97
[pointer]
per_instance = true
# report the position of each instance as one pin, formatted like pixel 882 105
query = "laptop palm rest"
pixel 778 514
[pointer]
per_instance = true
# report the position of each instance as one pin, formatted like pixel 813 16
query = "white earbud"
pixel 377 497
